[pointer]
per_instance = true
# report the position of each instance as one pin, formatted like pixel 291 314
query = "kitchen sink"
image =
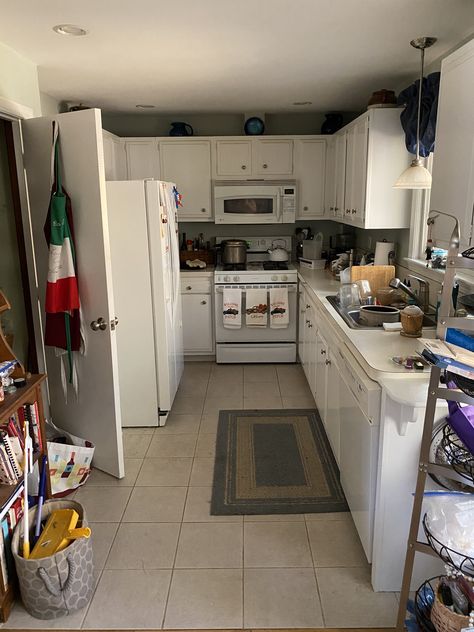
pixel 351 316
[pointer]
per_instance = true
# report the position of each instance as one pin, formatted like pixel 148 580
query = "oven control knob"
pixel 274 277
pixel 284 277
pixel 226 279
pixel 236 279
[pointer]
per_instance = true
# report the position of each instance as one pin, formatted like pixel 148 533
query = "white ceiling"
pixel 230 56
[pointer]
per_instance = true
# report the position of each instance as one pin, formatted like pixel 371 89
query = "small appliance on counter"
pixel 312 253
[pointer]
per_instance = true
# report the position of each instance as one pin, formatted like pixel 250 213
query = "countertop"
pixel 208 271
pixel 372 348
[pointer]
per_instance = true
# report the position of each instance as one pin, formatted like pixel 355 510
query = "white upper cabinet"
pixel 114 157
pixel 188 164
pixel 233 158
pixel 310 162
pixel 264 158
pixel 272 157
pixel 330 179
pixel 142 158
pixel 453 161
pixel 370 155
pixel 339 174
pixel 356 171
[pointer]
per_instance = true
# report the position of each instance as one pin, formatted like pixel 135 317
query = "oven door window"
pixel 249 206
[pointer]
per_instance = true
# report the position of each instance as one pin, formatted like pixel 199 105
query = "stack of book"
pixel 9 522
pixel 456 353
pixel 12 442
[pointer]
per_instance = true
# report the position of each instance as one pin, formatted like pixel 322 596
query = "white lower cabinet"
pixel 321 375
pixel 198 322
pixel 332 420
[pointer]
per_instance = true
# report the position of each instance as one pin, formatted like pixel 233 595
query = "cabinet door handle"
pixel 203 210
pixel 348 210
pixel 189 287
pixel 308 306
pixel 310 325
pixel 203 302
pixel 328 362
pixel 265 166
pixel 305 208
pixel 354 211
pixel 336 208
pixel 331 208
pixel 244 167
pixel 323 351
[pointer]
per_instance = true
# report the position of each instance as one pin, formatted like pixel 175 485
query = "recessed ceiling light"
pixel 303 103
pixel 144 106
pixel 69 29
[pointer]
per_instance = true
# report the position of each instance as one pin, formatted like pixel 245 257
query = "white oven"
pixel 250 344
pixel 250 202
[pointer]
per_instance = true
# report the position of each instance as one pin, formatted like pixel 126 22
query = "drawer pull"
pixel 305 208
pixel 244 167
pixel 265 166
pixel 203 302
pixel 203 210
pixel 189 287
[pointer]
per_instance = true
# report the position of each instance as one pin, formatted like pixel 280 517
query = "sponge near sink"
pixel 392 326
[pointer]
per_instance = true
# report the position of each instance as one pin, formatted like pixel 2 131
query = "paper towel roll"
pixel 382 248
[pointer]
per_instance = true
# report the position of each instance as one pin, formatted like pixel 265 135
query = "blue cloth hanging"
pixel 429 110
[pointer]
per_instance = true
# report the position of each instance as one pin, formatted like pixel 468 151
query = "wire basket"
pixel 465 384
pixel 457 455
pixel 424 600
pixel 441 454
pixel 460 561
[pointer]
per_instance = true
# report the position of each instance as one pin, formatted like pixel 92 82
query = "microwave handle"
pixel 279 207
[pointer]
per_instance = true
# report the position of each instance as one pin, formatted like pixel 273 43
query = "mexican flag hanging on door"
pixel 62 305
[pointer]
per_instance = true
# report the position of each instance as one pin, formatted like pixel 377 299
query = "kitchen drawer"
pixel 195 286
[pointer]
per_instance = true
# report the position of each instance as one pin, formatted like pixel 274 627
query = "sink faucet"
pixel 422 299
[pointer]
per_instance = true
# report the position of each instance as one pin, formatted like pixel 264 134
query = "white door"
pixel 320 387
pixel 234 158
pixel 310 173
pixel 166 297
pixel 197 323
pixel 453 159
pixel 142 159
pixel 359 171
pixel 188 163
pixel 128 229
pixel 333 403
pixel 340 174
pixel 273 157
pixel 95 415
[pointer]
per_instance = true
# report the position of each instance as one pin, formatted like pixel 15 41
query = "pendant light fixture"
pixel 416 176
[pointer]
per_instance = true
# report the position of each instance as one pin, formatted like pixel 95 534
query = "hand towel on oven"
pixel 279 317
pixel 256 312
pixel 231 308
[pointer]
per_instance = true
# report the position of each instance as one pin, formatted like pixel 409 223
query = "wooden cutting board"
pixel 377 276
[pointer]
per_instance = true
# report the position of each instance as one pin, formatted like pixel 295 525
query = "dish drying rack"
pixel 461 468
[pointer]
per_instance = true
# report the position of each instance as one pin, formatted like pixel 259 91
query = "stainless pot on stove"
pixel 234 252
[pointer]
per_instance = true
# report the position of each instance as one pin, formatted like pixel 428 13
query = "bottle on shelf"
pixel 183 242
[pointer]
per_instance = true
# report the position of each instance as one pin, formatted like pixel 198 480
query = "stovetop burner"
pixel 275 265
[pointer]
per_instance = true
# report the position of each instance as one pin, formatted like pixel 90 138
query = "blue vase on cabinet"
pixel 179 128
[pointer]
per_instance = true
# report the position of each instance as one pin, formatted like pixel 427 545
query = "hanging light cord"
pixel 418 118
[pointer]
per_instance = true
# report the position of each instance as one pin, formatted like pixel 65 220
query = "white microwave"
pixel 250 202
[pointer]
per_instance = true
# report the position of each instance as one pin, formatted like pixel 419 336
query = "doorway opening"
pixel 17 323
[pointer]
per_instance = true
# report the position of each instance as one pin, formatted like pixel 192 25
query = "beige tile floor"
pixel 162 561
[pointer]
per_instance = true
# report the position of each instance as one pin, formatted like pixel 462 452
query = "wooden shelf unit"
pixel 9 493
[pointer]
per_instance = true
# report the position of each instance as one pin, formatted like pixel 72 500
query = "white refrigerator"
pixel 144 252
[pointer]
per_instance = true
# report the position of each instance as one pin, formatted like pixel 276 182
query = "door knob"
pixel 113 323
pixel 98 324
